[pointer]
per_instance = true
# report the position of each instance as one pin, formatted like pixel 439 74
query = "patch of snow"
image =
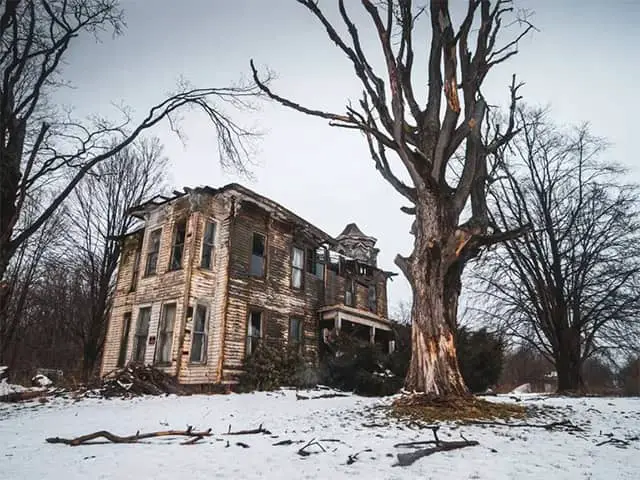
pixel 7 388
pixel 342 426
pixel 41 380
pixel 524 388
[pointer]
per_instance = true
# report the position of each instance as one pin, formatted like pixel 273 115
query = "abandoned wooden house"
pixel 214 271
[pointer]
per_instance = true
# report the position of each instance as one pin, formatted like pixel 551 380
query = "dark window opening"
pixel 256 268
pixel 124 340
pixel 373 299
pixel 349 292
pixel 199 340
pixel 254 331
pixel 165 334
pixel 135 272
pixel 142 334
pixel 177 248
pixel 152 252
pixel 296 332
pixel 297 267
pixel 208 242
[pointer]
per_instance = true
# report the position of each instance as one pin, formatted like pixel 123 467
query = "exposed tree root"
pixel 405 459
pixel 423 408
pixel 87 439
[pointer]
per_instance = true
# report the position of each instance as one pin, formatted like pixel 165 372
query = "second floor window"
pixel 135 272
pixel 208 240
pixel 349 292
pixel 153 250
pixel 297 267
pixel 177 248
pixel 256 267
pixel 372 299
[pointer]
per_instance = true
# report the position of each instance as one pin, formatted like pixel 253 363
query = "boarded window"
pixel 124 339
pixel 254 331
pixel 348 292
pixel 256 268
pixel 372 298
pixel 208 242
pixel 165 333
pixel 295 331
pixel 135 271
pixel 199 338
pixel 177 247
pixel 152 252
pixel 297 267
pixel 142 333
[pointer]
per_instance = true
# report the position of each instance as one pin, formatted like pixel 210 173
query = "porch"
pixel 361 324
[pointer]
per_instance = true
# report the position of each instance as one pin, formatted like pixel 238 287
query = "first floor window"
pixel 142 334
pixel 124 340
pixel 297 267
pixel 165 334
pixel 296 331
pixel 254 331
pixel 199 339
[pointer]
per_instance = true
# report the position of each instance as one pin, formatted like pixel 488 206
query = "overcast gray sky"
pixel 583 62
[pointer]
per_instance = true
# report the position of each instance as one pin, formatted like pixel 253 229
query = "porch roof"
pixel 355 315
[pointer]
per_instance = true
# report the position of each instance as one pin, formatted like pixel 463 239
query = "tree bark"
pixel 433 271
pixel 568 363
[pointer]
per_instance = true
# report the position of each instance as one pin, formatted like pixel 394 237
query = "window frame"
pixel 373 307
pixel 350 287
pixel 138 336
pixel 135 269
pixel 296 340
pixel 249 347
pixel 300 268
pixel 178 223
pixel 124 339
pixel 147 270
pixel 211 245
pixel 263 273
pixel 204 333
pixel 162 336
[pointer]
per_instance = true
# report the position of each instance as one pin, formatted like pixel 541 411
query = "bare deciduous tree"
pixel 42 147
pixel 570 286
pixel 100 215
pixel 395 122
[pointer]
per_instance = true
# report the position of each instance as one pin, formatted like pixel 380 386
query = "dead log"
pixel 87 439
pixel 249 432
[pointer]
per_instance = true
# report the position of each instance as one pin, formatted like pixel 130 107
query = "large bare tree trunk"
pixel 568 362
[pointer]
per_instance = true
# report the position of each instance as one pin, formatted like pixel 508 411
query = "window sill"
pixel 197 364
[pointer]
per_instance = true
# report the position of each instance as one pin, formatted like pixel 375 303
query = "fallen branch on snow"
pixel 249 432
pixel 564 425
pixel 87 439
pixel 406 459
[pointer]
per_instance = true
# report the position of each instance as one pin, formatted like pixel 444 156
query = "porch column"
pixel 372 335
pixel 338 321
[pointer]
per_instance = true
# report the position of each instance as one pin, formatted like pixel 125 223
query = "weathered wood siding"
pixel 273 294
pixel 335 291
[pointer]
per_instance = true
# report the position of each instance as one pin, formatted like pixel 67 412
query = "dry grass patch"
pixel 429 409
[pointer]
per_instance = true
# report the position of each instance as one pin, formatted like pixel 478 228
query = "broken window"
pixel 254 331
pixel 152 252
pixel 142 332
pixel 177 248
pixel 199 339
pixel 208 240
pixel 135 271
pixel 297 267
pixel 165 333
pixel 349 292
pixel 372 298
pixel 314 265
pixel 295 331
pixel 256 268
pixel 124 340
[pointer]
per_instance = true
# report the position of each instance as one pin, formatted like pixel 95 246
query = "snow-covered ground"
pixel 343 426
